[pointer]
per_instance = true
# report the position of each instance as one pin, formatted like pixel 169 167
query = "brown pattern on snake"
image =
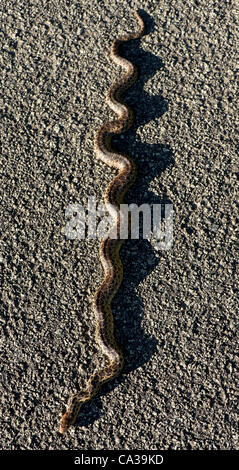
pixel 109 247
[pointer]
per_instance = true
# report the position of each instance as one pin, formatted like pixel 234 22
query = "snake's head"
pixel 66 421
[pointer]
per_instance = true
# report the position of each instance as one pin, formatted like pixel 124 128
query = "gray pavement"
pixel 177 311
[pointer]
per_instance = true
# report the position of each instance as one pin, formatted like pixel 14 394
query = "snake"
pixel 111 242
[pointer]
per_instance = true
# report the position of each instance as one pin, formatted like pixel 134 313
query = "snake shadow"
pixel 138 256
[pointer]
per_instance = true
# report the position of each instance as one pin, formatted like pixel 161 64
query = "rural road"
pixel 176 312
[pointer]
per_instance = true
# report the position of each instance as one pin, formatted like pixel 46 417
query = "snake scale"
pixel 109 247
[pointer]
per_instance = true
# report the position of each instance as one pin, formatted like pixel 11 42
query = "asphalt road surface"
pixel 177 310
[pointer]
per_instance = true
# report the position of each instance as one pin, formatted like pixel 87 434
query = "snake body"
pixel 109 247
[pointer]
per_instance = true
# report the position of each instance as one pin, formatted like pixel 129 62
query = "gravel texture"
pixel 176 313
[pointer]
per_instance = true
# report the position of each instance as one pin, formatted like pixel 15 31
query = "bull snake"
pixel 109 247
